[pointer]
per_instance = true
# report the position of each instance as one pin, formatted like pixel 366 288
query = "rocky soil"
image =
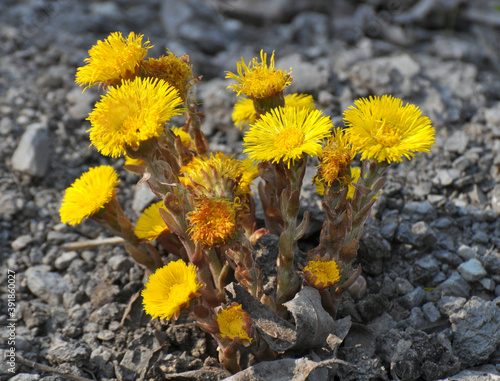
pixel 430 253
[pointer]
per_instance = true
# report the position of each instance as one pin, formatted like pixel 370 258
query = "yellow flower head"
pixel 89 194
pixel 175 70
pixel 381 128
pixel 321 274
pixel 219 175
pixel 169 289
pixel 286 134
pixel 336 159
pixel 213 221
pixel 113 60
pixel 244 112
pixel 184 136
pixel 132 113
pixel 355 174
pixel 235 324
pixel 258 80
pixel 151 225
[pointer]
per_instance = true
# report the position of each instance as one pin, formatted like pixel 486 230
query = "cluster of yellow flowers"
pixel 205 215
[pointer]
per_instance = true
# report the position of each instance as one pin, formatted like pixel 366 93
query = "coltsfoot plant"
pixel 205 213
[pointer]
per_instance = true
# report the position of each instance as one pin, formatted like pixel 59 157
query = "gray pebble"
pixel 466 252
pixel 120 263
pixel 21 242
pixel 48 286
pixel 472 270
pixel 475 328
pixel 431 312
pixel 446 177
pixel 455 285
pixel 106 335
pixel 495 198
pixel 413 299
pixel 25 377
pixel 64 260
pixel 62 352
pixel 491 261
pixel 403 286
pixel 424 270
pixel 143 197
pixel 33 152
pixel 488 284
pixel 422 235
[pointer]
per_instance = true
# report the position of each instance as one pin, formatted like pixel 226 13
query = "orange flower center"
pixel 288 139
pixel 387 135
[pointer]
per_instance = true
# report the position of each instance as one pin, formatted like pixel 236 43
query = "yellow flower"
pixel 321 274
pixel 151 225
pixel 219 175
pixel 234 323
pixel 169 289
pixel 336 159
pixel 89 194
pixel 355 174
pixel 286 134
pixel 258 80
pixel 132 113
pixel 113 60
pixel 185 138
pixel 381 128
pixel 244 110
pixel 175 70
pixel 212 222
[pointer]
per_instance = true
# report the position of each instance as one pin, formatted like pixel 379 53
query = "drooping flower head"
pixel 259 80
pixel 235 324
pixel 355 174
pixel 336 159
pixel 213 222
pixel 113 60
pixel 173 69
pixel 286 134
pixel 151 225
pixel 184 136
pixel 169 289
pixel 219 175
pixel 321 274
pixel 244 112
pixel 89 194
pixel 131 114
pixel 381 128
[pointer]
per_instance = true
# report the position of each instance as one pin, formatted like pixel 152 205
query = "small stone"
pixel 497 290
pixel 307 76
pixel 48 286
pixel 450 304
pixel 431 312
pixel 457 142
pixel 21 242
pixel 403 286
pixel 475 331
pixel 143 197
pixel 466 253
pixel 495 198
pixel 481 237
pixel 455 285
pixel 445 177
pixel 413 299
pixel 34 150
pixel 491 262
pixel 461 163
pixel 81 103
pixel 120 263
pixel 436 198
pixel 390 223
pixel 472 270
pixel 421 207
pixel 424 270
pixel 422 235
pixel 64 260
pixel 62 352
pixel 6 126
pixel 106 335
pixel 488 284
pixel 135 360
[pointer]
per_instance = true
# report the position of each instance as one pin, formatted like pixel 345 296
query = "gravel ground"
pixel 430 253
